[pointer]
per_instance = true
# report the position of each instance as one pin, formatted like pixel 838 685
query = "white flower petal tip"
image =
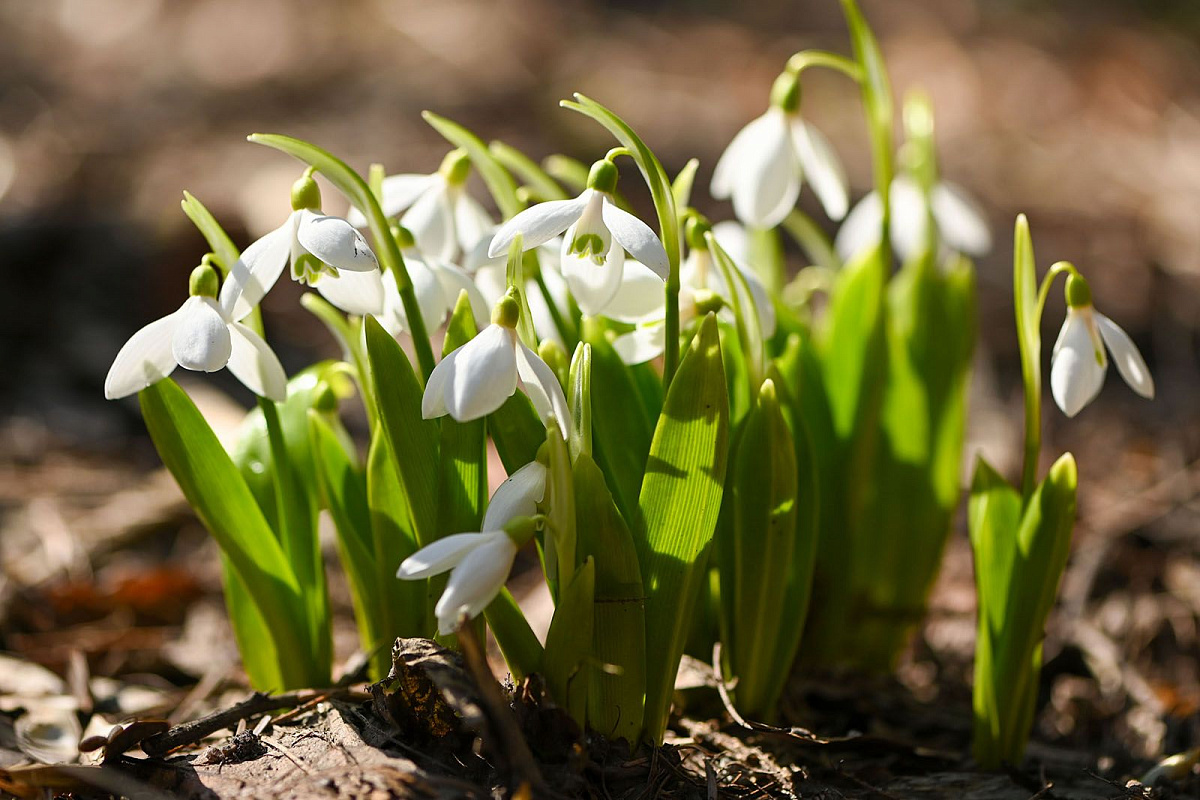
pixel 767 181
pixel 335 242
pixel 254 364
pixel 434 559
pixel 144 360
pixel 541 386
pixel 1126 356
pixel 1076 369
pixel 201 339
pixel 474 380
pixel 960 221
pixel 636 238
pixel 822 168
pixel 518 496
pixel 476 580
pixel 538 224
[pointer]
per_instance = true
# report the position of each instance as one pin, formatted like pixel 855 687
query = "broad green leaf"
pixel 617 689
pixel 516 431
pixel 518 643
pixel 254 641
pixel 225 252
pixel 214 489
pixel 569 644
pixel 499 182
pixel 462 486
pixel 677 512
pixel 517 163
pixel 560 541
pixel 412 439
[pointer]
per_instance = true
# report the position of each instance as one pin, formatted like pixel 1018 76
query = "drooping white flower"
pixel 476 379
pixel 590 263
pixel 479 562
pixel 764 166
pixel 1079 361
pixel 317 246
pixel 437 208
pixel 960 222
pixel 200 336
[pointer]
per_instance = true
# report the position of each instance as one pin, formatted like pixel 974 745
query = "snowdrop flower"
pixel 200 336
pixel 589 260
pixel 960 223
pixel 316 245
pixel 1079 361
pixel 436 285
pixel 763 167
pixel 476 379
pixel 442 216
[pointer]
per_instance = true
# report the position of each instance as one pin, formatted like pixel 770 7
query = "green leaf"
pixel 214 489
pixel 580 400
pixel 225 252
pixel 516 431
pixel 569 644
pixel 255 643
pixel 501 185
pixel 462 485
pixel 413 439
pixel 518 643
pixel 528 170
pixel 877 102
pixel 681 187
pixel 812 240
pixel 560 542
pixel 617 691
pixel 1029 339
pixel 678 507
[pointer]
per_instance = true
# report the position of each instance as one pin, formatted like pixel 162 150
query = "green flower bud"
pixel 694 230
pixel 403 236
pixel 707 302
pixel 603 176
pixel 1079 294
pixel 506 312
pixel 456 166
pixel 326 400
pixel 203 281
pixel 555 357
pixel 785 92
pixel 306 193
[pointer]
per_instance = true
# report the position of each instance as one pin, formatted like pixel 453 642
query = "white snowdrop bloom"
pixel 437 208
pixel 763 168
pixel 491 277
pixel 480 562
pixel 316 246
pixel 476 379
pixel 200 336
pixel 436 285
pixel 590 262
pixel 960 222
pixel 1079 361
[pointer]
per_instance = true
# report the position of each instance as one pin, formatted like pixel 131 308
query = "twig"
pixel 192 732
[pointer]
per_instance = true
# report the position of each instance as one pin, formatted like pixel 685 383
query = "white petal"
pixel 731 162
pixel 861 228
pixel 1126 356
pixel 471 222
pixel 431 299
pixel 484 374
pixel 454 280
pixel 538 224
pixel 476 256
pixel 639 298
pixel 257 270
pixel 433 401
pixel 201 339
pixel 354 292
pixel 960 221
pixel 335 241
pixel 431 221
pixel 145 359
pixel 476 581
pixel 518 496
pixel 637 238
pixel 1076 374
pixel 909 219
pixel 399 192
pixel 642 344
pixel 733 240
pixel 593 285
pixel 254 364
pixel 767 185
pixel 822 168
pixel 493 283
pixel 439 556
pixel 542 387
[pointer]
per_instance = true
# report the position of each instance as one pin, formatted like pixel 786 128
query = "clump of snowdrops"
pixel 701 445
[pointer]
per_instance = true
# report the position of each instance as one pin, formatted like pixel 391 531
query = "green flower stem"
pixel 823 58
pixel 356 190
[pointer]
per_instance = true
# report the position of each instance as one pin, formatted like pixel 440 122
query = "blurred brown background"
pixel 1085 115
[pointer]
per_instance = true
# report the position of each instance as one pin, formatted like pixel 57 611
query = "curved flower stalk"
pixel 959 220
pixel 200 336
pixel 590 263
pixel 764 166
pixel 442 215
pixel 476 379
pixel 316 245
pixel 1079 361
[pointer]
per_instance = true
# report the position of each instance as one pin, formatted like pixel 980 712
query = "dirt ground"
pixel 1085 115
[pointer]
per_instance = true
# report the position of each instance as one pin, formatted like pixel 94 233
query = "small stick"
pixel 192 732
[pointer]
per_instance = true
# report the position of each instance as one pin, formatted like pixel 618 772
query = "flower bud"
pixel 555 357
pixel 403 236
pixel 694 230
pixel 603 176
pixel 456 166
pixel 707 302
pixel 507 312
pixel 785 92
pixel 1078 293
pixel 203 281
pixel 306 193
